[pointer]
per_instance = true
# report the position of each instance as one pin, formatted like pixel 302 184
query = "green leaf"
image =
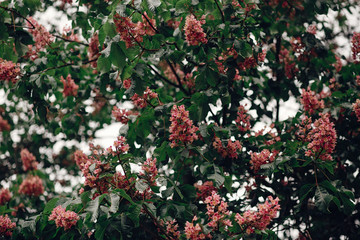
pixel 103 64
pixel 123 194
pixel 50 206
pixel 322 199
pixel 117 56
pixel 327 185
pixel 115 199
pixel 141 185
pixel 219 179
pixel 134 213
pixel 100 229
pixel 305 190
pixel 93 207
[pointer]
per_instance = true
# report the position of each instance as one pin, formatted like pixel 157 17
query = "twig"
pixel 177 78
pixel 221 12
pixel 68 40
pixel 67 64
pixel 17 13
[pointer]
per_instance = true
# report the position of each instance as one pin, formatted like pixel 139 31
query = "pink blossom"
pixel 251 62
pixel 290 65
pixel 230 150
pixel 5 196
pixel 63 218
pixel 32 186
pixel 127 30
pixel 41 37
pixel 80 158
pixel 311 101
pixel 205 190
pixel 142 101
pixel 9 71
pixel 194 232
pixel 358 80
pixel 127 83
pixel 338 64
pixel 70 87
pixel 194 33
pixel 356 108
pixel 4 125
pixel 94 51
pixel 217 211
pixel 259 219
pixel 182 129
pixel 150 171
pixel 311 29
pixel 6 226
pixel 259 159
pixel 355 46
pixel 28 160
pixel 121 115
pixel 243 119
pixel 171 229
pixel 322 139
pixel 146 27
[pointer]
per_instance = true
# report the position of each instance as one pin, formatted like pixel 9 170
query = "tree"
pixel 189 162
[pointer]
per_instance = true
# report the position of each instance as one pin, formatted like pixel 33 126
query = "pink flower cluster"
pixel 80 158
pixel 355 46
pixel 259 219
pixel 311 29
pixel 142 101
pixel 205 190
pixel 181 128
pixel 185 79
pixel 358 80
pixel 32 186
pixel 94 51
pixel 217 211
pixel 290 65
pixel 92 176
pixel 264 157
pixel 230 150
pixel 4 125
pixel 146 26
pixel 322 139
pixel 6 226
pixel 5 196
pixel 121 115
pixel 127 83
pixel 248 6
pixel 243 119
pixel 28 160
pixel 194 33
pixel 150 171
pixel 171 229
pixel 310 101
pixel 194 232
pixel 120 145
pixel 63 218
pixel 250 62
pixel 132 33
pixel 304 128
pixel 9 71
pixel 41 37
pixel 338 64
pixel 356 108
pixel 70 87
pixel 231 52
pixel 92 167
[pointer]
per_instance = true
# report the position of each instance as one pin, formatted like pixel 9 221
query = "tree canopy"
pixel 190 81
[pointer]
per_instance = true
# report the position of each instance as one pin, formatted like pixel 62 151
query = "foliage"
pixel 189 162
